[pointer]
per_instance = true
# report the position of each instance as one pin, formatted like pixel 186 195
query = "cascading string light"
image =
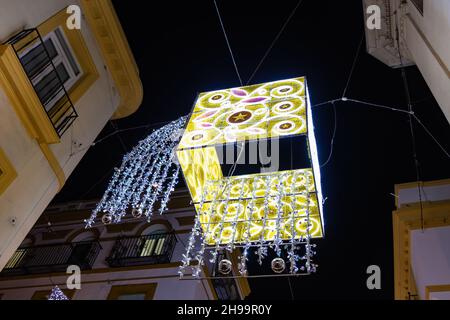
pixel 220 240
pixel 147 173
pixel 262 250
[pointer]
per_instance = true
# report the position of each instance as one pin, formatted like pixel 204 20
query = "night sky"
pixel 180 50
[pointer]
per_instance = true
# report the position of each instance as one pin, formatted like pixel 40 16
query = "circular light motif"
pixel 107 218
pixel 224 266
pixel 301 226
pixel 212 100
pixel 278 265
pixel 227 234
pixel 197 137
pixel 286 88
pixel 216 98
pixel 136 213
pixel 287 125
pixel 239 117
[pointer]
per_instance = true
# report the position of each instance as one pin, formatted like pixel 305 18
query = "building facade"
pixel 66 69
pixel 414 32
pixel 132 260
pixel 421 241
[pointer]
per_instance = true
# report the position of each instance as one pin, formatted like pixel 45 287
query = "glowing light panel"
pixel 251 208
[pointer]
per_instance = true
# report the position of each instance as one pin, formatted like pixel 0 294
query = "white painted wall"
pixel 445 295
pixel 424 41
pixel 428 40
pixel 36 184
pixel 428 194
pixel 430 257
pixel 98 285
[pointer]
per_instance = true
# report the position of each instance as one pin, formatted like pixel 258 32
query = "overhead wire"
pixel 353 66
pixel 332 137
pixel 292 13
pixel 228 42
pixel 411 123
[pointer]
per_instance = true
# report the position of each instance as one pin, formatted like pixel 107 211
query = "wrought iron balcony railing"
pixel 225 286
pixel 52 258
pixel 151 249
pixel 47 80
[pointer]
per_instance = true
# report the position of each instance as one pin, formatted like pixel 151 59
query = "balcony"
pixel 52 258
pixel 142 250
pixel 225 286
pixel 37 77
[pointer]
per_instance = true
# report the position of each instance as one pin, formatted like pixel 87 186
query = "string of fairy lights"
pixel 148 175
pixel 248 229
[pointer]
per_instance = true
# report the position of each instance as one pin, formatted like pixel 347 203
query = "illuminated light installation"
pixel 147 176
pixel 57 294
pixel 280 210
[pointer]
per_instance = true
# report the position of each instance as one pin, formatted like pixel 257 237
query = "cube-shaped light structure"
pixel 253 207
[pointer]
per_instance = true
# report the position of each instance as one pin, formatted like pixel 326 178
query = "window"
pixel 133 292
pixel 35 97
pixel 153 243
pixel 35 60
pixel 19 255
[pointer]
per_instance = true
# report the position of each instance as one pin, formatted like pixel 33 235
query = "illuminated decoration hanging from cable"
pixel 57 294
pixel 147 176
pixel 280 210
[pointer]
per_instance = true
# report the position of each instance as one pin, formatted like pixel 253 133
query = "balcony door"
pixel 39 69
pixel 153 242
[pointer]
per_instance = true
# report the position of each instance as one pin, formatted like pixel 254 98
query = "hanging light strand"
pixel 147 173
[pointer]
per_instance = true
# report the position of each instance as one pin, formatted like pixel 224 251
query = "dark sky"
pixel 180 51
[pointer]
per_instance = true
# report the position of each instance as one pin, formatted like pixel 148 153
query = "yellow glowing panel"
pixel 247 210
pixel 234 209
pixel 253 112
pixel 199 165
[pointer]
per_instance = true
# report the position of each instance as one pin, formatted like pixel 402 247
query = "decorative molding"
pixel 407 219
pixel 54 164
pixel 7 172
pixel 149 290
pixel 94 231
pixel 166 223
pixel 99 270
pixel 415 185
pixel 436 288
pixel 102 18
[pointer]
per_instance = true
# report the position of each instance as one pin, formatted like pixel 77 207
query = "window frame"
pixel 149 289
pixel 60 58
pixel 80 51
